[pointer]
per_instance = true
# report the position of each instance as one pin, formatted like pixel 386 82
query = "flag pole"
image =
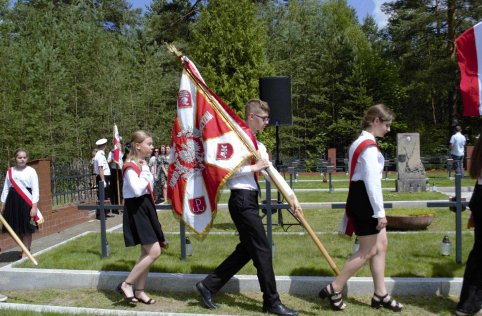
pixel 280 183
pixel 117 181
pixel 17 240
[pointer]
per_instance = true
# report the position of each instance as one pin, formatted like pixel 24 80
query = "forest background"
pixel 70 69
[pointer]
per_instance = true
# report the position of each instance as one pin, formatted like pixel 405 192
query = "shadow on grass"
pixel 437 305
pixel 117 299
pixel 225 227
pixel 203 269
pixel 241 301
pixel 445 270
pixel 305 271
pixel 10 256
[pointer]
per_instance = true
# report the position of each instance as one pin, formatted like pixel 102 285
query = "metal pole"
pixel 278 167
pixel 182 234
pixel 458 219
pixel 330 183
pixel 103 236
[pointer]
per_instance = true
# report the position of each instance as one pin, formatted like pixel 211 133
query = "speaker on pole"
pixel 277 92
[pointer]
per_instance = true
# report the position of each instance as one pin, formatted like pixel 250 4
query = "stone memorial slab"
pixel 411 172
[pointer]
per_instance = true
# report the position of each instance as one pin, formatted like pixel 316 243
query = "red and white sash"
pixel 138 170
pixel 346 225
pixel 25 195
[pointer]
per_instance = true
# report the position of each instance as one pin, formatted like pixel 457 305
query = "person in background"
pixel 154 163
pixel 457 144
pixel 365 210
pixel 115 178
pixel 102 172
pixel 20 197
pixel 140 222
pixel 244 210
pixel 163 167
pixel 470 301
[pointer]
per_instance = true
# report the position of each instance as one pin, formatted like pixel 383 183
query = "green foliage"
pixel 70 69
pixel 230 50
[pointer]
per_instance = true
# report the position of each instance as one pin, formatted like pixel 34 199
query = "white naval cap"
pixel 101 141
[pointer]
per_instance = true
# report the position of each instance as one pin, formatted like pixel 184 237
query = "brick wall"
pixel 57 219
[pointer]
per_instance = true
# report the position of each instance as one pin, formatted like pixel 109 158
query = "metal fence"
pixel 72 182
pixel 440 162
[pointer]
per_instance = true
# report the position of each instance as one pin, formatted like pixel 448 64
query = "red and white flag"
pixel 117 145
pixel 206 150
pixel 469 53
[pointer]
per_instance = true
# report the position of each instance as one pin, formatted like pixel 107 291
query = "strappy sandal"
pixel 150 301
pixel 336 301
pixel 130 299
pixel 379 301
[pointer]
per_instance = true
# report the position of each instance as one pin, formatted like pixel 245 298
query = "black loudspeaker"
pixel 277 92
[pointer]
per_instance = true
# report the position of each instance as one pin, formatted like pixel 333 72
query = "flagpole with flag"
pixel 469 54
pixel 116 158
pixel 244 143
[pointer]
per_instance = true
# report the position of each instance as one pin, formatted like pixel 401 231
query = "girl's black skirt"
pixel 141 224
pixel 360 210
pixel 17 214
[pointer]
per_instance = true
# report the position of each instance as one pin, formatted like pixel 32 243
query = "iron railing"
pixel 72 183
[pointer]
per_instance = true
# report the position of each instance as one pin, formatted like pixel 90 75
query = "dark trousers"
pixel 253 245
pixel 116 192
pixel 471 294
pixel 106 192
pixel 458 164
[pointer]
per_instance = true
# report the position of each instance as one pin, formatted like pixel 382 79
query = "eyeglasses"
pixel 264 118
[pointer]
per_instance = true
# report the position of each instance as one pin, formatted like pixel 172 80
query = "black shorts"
pixel 360 210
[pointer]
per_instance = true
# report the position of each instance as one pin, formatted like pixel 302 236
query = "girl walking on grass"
pixel 365 212
pixel 140 222
pixel 471 295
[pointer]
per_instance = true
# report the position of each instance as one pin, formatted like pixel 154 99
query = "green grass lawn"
pixel 246 303
pixel 411 254
pixel 340 196
pixel 340 180
pixel 403 258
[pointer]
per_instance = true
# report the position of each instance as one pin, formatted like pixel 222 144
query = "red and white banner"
pixel 117 145
pixel 469 53
pixel 206 150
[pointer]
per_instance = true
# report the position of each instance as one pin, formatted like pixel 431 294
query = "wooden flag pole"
pixel 278 180
pixel 17 240
pixel 290 197
pixel 117 180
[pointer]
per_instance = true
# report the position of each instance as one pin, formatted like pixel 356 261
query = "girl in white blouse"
pixel 21 195
pixel 140 222
pixel 365 210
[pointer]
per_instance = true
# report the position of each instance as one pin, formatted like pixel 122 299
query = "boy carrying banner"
pixel 244 210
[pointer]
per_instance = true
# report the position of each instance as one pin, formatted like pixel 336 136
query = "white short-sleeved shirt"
pixel 27 177
pixel 458 141
pixel 101 162
pixel 369 168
